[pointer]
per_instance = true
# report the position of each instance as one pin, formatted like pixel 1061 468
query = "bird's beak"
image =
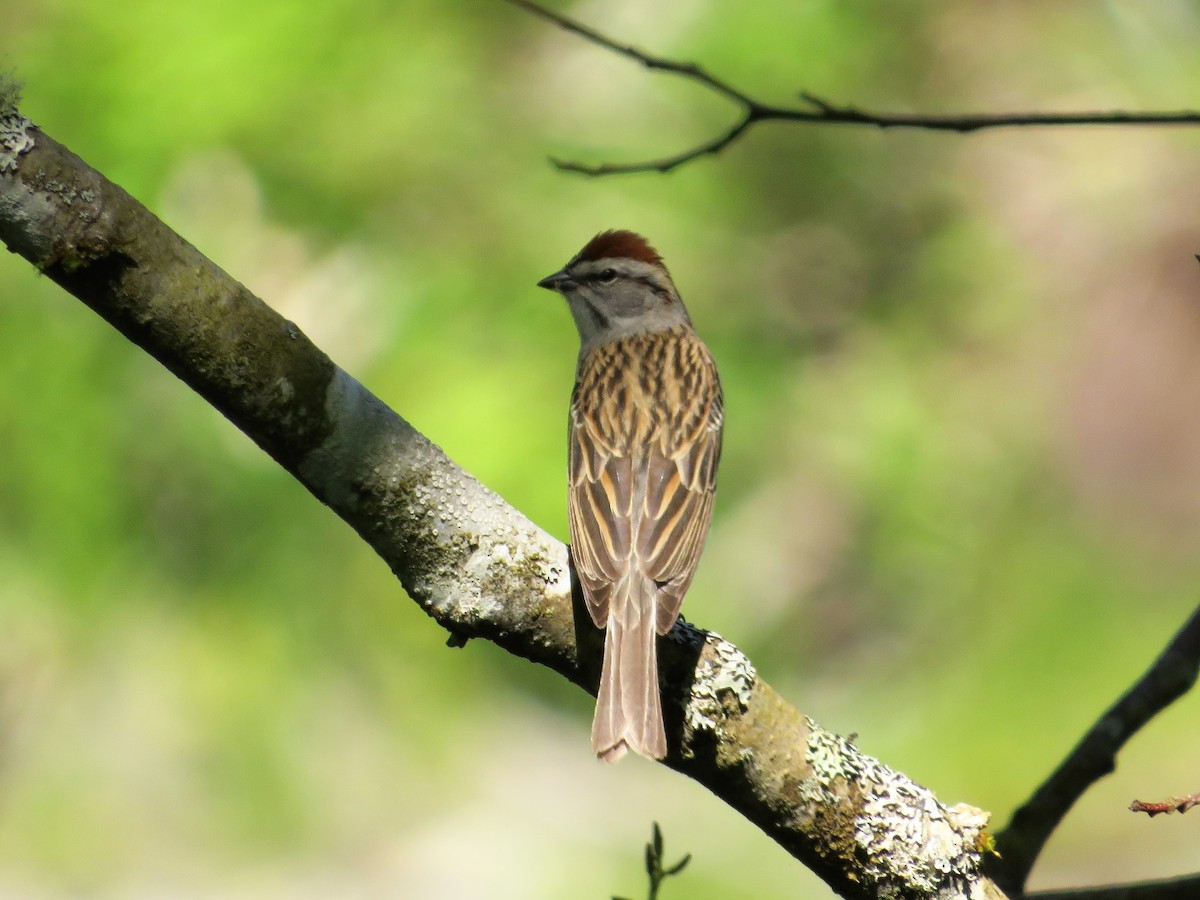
pixel 559 281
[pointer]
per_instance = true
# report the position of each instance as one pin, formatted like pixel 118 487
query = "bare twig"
pixel 1185 888
pixel 816 110
pixel 1170 677
pixel 1174 805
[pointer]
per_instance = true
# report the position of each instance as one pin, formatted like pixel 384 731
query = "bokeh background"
pixel 960 497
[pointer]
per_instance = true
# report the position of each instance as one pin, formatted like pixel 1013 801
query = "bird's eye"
pixel 608 276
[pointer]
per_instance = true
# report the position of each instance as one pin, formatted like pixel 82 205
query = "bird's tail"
pixel 628 707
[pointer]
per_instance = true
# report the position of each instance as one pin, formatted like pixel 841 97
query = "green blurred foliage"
pixel 960 497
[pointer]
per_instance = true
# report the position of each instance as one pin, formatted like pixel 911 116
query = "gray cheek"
pixel 588 317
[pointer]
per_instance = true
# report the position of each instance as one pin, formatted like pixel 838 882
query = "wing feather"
pixel 681 479
pixel 598 503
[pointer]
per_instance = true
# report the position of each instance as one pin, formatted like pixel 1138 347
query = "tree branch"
pixel 1160 807
pixel 1171 676
pixel 1186 888
pixel 472 562
pixel 816 110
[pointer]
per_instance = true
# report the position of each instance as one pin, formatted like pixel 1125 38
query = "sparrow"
pixel 644 443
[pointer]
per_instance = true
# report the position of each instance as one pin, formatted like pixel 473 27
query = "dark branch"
pixel 666 164
pixel 662 64
pixel 1170 677
pixel 1185 888
pixel 816 110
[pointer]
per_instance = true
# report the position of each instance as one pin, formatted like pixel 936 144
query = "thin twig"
pixel 1185 888
pixel 1170 677
pixel 816 110
pixel 688 70
pixel 1174 805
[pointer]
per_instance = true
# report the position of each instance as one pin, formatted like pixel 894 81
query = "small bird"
pixel 645 440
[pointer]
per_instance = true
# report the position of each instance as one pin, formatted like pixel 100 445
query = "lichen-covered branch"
pixel 1171 676
pixel 815 110
pixel 479 567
